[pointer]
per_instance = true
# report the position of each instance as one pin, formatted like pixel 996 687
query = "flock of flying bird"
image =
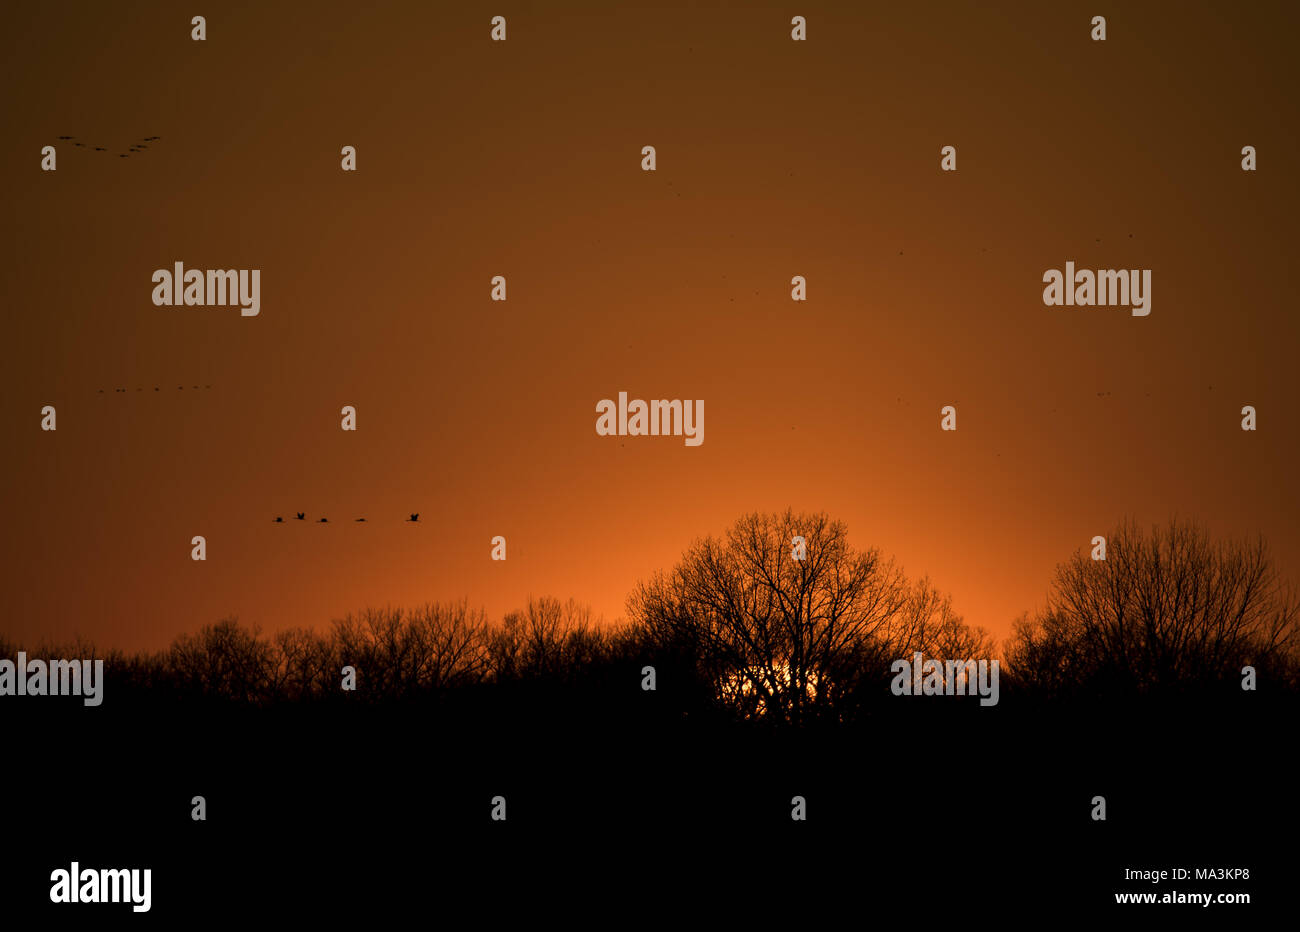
pixel 301 516
pixel 131 150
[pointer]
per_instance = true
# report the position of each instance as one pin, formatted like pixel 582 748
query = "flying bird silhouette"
pixel 324 521
pixel 278 520
pixel 415 516
pixel 361 519
pixel 301 516
pixel 100 149
pixel 67 137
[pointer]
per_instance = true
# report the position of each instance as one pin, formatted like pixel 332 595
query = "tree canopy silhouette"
pixel 1167 611
pixel 794 639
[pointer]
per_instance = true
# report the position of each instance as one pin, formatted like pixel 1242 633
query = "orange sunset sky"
pixel 775 159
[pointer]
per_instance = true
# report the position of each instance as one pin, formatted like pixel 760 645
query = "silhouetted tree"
pixel 1166 611
pixel 791 639
pixel 305 665
pixel 401 653
pixel 548 638
pixel 223 659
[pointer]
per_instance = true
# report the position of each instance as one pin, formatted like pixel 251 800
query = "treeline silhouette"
pixel 740 629
pixel 772 680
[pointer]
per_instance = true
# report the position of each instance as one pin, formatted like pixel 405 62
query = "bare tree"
pixel 401 653
pixel 783 637
pixel 455 635
pixel 224 660
pixel 304 665
pixel 1165 611
pixel 547 638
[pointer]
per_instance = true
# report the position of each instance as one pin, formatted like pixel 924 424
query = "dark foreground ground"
pixel 617 815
